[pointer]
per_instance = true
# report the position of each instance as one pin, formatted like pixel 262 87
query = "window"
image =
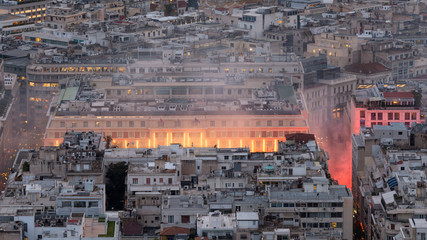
pixel 212 123
pixel 85 124
pixel 79 204
pixel 135 181
pixel 185 219
pixel 269 123
pixel 373 116
pixel 171 219
pixel 169 180
pixel 380 116
pixel 258 123
pixel 362 114
pixel 142 124
pixel 119 124
pixel 108 124
pixel 390 116
pixel 280 123
pixel 93 204
pixel 73 124
pixel 407 116
pixel 147 181
pixel 413 116
pixel 66 204
pixel 396 116
pixel 97 124
pixel 131 124
pixel 226 158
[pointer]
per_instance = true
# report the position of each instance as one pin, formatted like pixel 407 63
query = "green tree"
pixel 25 167
pixel 108 140
pixel 115 185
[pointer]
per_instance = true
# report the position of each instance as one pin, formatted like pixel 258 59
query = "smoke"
pixel 335 137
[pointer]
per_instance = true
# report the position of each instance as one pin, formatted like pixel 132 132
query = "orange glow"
pixel 229 143
pixel 252 146
pixel 149 143
pixel 206 143
pixel 57 143
pixel 201 139
pixel 137 143
pixel 275 145
pixel 263 145
pixel 154 140
pixel 167 138
pixel 184 141
pixel 188 140
pixel 126 143
pixel 217 143
pixel 241 143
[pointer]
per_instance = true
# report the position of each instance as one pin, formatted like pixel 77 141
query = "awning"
pixel 392 182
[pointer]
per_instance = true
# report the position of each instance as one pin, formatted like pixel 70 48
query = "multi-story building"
pixel 370 73
pixel 389 180
pixel 174 114
pixel 340 49
pixel 35 10
pixel 399 60
pixel 182 211
pixel 371 107
pixel 256 21
pixel 15 24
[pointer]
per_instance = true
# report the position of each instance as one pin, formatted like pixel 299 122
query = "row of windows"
pixel 179 123
pixel 148 181
pixel 362 123
pixel 323 225
pixel 178 91
pixel 80 204
pixel 76 69
pixel 316 205
pixel 345 88
pixel 192 135
pixel 321 215
pixel 391 116
pixel 232 185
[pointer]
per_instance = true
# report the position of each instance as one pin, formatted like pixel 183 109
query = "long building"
pixel 199 114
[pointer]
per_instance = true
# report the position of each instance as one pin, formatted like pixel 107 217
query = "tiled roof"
pixel 131 227
pixel 172 231
pixel 369 68
pixel 398 95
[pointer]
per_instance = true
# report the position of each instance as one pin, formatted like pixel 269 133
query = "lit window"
pixel 314 50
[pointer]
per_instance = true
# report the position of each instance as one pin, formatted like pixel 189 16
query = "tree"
pixel 25 167
pixel 116 185
pixel 108 140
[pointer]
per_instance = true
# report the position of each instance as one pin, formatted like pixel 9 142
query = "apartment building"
pixel 15 24
pixel 34 10
pixel 340 49
pixel 371 107
pixel 388 173
pixel 256 21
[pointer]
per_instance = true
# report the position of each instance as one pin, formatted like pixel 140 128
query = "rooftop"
pixel 369 68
